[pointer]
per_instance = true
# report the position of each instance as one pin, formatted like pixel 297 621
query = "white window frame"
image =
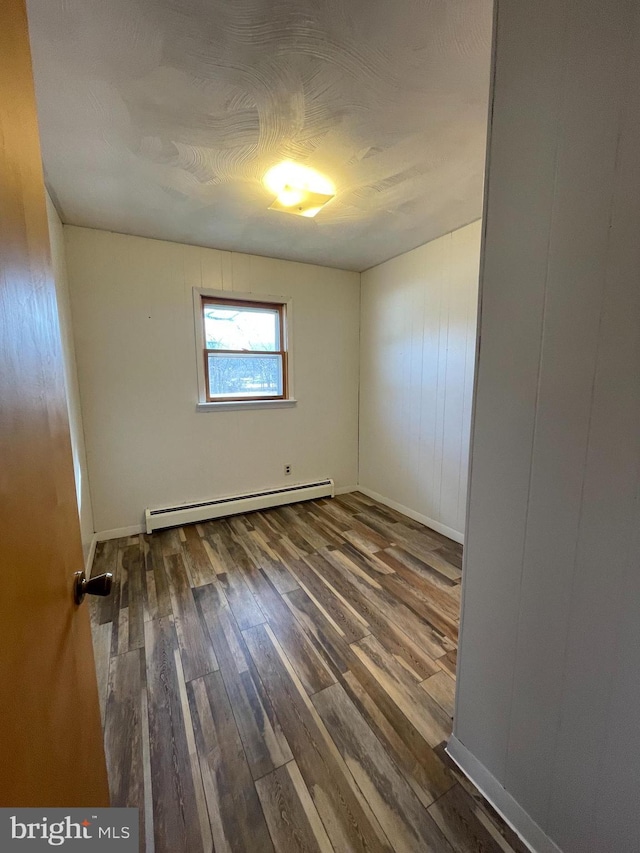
pixel 202 405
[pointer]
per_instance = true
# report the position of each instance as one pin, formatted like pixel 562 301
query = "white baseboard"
pixel 509 809
pixel 344 490
pixel 416 516
pixel 119 532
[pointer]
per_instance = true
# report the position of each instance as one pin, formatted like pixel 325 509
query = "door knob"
pixel 99 585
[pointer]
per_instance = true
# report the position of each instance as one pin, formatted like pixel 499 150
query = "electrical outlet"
pixel 287 469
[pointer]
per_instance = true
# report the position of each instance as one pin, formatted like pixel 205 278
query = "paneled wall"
pixel 134 336
pixel 417 350
pixel 59 264
pixel 548 684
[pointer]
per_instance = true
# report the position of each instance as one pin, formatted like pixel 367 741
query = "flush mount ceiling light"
pixel 299 189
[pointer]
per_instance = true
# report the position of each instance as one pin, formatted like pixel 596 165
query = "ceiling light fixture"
pixel 299 189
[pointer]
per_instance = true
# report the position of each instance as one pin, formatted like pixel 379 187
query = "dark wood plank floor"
pixel 284 680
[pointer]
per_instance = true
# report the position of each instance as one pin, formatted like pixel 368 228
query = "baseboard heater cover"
pixel 189 513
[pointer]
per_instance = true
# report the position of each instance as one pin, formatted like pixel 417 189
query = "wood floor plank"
pixel 330 644
pixel 442 688
pixel 297 517
pixel 267 559
pixel 371 564
pixel 241 524
pixel 292 818
pixel 301 570
pixel 198 657
pixel 106 560
pixel 264 743
pixel 440 610
pixel 237 820
pixel 123 578
pixel 149 820
pixel 506 838
pixel 101 635
pixel 412 531
pixel 401 814
pixel 351 502
pixel 449 662
pixel 413 544
pixel 365 538
pixel 379 522
pixel 421 577
pixel 399 555
pixel 337 611
pixel 332 507
pixel 323 525
pixel 241 558
pixel 419 708
pixel 452 553
pixel 454 813
pixel 486 814
pixel 194 762
pixel 423 768
pixel 120 633
pixel 169 540
pixel 353 561
pixel 363 525
pixel 375 510
pixel 401 631
pixel 154 565
pixel 150 597
pixel 394 531
pixel 331 522
pixel 245 608
pixel 176 819
pixel 295 552
pixel 201 568
pixel 123 735
pixel 309 665
pixel 223 629
pixel 437 561
pixel 349 823
pixel 133 563
pixel 291 530
pixel 269 524
pixel 214 557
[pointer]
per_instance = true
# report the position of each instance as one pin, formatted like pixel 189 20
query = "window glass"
pixel 244 375
pixel 238 328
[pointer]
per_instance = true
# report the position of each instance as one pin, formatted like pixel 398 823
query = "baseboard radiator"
pixel 174 516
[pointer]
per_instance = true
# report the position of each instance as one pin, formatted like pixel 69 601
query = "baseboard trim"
pixel 344 490
pixel 509 809
pixel 119 532
pixel 416 516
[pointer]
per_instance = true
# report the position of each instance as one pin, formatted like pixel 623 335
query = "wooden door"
pixel 51 751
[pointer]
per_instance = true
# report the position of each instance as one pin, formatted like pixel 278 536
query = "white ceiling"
pixel 160 117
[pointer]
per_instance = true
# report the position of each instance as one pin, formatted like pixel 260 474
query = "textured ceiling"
pixel 160 117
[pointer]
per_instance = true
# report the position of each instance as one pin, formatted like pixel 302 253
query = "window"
pixel 245 349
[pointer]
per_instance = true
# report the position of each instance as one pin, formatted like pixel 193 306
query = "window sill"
pixel 245 404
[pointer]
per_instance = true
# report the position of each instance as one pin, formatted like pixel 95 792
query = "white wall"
pixel 548 682
pixel 56 239
pixel 134 334
pixel 418 325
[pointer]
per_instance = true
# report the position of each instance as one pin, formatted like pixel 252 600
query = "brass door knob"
pixel 99 585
